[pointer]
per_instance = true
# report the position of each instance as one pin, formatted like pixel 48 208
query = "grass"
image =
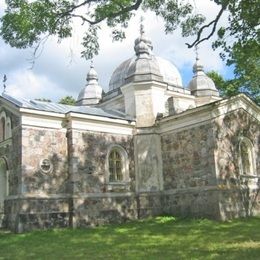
pixel 157 238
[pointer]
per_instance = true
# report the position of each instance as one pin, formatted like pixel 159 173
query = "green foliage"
pixel 24 22
pixel 246 60
pixel 68 100
pixel 228 88
pixel 147 239
pixel 90 42
pixel 165 219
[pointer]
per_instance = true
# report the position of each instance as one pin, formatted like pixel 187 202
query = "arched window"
pixel 3 183
pixel 246 157
pixel 2 129
pixel 117 167
pixel 8 128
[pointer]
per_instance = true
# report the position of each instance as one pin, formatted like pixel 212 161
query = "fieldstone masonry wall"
pixel 93 203
pixel 44 144
pixel 189 172
pixel 188 158
pixel 88 153
pixel 236 198
pixel 39 202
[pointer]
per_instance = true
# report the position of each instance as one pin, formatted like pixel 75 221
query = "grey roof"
pixel 64 109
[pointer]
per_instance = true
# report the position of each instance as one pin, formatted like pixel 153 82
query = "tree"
pixel 68 100
pixel 231 87
pixel 26 23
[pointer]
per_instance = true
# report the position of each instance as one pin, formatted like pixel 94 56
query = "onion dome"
pixel 92 92
pixel 201 84
pixel 145 66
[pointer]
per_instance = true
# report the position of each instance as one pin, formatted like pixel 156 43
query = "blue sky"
pixel 59 70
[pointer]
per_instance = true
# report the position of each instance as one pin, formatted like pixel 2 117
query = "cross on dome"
pixel 198 65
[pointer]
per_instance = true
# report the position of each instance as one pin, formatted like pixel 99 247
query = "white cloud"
pixel 25 83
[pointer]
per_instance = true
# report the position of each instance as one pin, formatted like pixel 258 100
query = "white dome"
pixel 167 70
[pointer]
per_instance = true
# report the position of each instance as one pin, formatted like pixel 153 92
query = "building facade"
pixel 147 147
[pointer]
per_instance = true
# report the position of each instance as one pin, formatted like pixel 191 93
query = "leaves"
pixel 24 23
pixel 90 42
pixel 68 100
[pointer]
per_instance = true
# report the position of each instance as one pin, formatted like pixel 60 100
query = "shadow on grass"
pixel 158 238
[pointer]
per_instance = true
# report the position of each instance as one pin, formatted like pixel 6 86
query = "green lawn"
pixel 159 238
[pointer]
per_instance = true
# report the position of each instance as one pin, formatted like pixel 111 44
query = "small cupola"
pixel 201 85
pixel 91 94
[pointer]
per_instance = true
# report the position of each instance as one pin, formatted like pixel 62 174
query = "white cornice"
pixel 43 121
pixel 74 115
pixel 234 103
pixel 200 115
pixel 41 113
pixel 100 124
pixel 10 107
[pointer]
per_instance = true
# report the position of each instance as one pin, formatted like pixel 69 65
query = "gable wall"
pixel 236 198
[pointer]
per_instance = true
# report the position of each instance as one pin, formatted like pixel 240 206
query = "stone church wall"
pixel 189 172
pixel 42 201
pixel 93 202
pixel 239 195
pixel 38 145
pixel 12 153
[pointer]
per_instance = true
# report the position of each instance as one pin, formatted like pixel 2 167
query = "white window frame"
pixel 4 162
pixel 250 178
pixel 7 127
pixel 122 185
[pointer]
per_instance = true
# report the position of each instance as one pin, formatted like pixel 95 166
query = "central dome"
pixel 144 64
pixel 168 71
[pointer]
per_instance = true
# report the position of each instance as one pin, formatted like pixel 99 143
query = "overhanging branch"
pixel 123 10
pixel 214 23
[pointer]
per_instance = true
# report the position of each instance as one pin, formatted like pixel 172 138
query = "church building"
pixel 147 147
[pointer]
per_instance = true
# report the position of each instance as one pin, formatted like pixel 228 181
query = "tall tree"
pixel 25 23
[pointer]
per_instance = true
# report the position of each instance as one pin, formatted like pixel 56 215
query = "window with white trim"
pixel 4 189
pixel 117 167
pixel 246 156
pixel 2 129
pixel 247 166
pixel 5 127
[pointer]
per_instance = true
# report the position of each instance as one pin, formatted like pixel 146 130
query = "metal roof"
pixel 64 109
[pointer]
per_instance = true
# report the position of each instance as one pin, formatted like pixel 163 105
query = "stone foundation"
pixel 35 213
pixel 25 214
pixel 98 210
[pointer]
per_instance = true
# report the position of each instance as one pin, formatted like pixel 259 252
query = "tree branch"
pixel 127 9
pixel 214 22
